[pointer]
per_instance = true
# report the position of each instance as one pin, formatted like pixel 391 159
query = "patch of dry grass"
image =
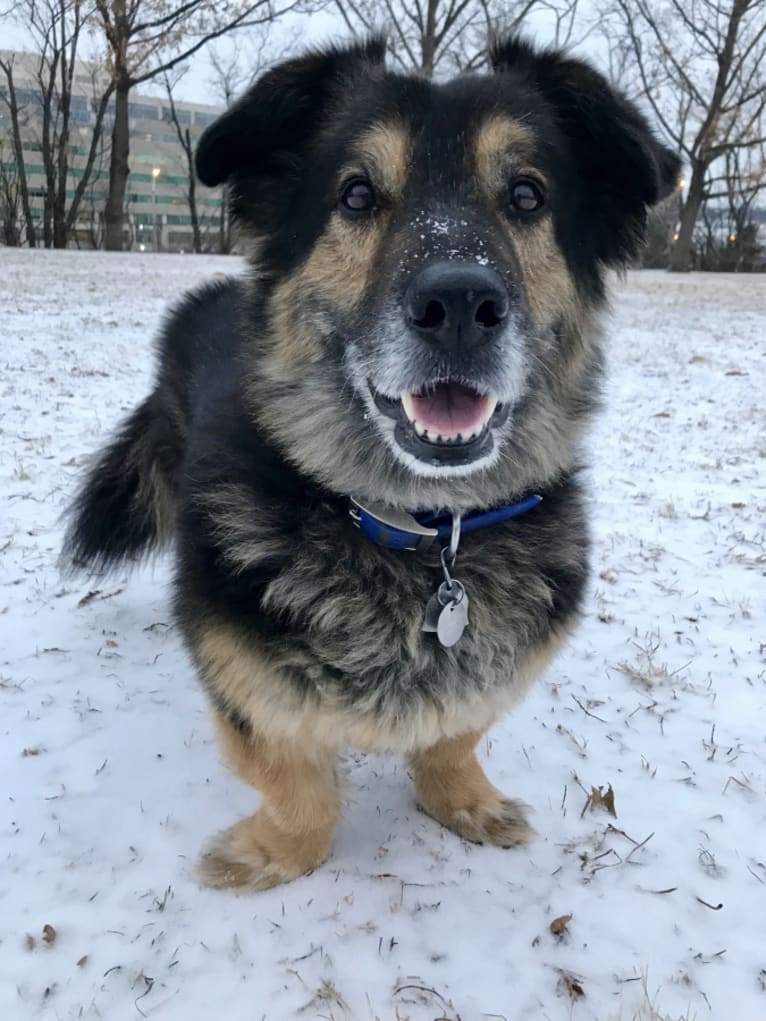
pixel 649 1009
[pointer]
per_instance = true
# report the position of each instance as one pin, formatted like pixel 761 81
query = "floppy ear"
pixel 276 115
pixel 625 167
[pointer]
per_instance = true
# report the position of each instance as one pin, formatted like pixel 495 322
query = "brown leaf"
pixel 598 799
pixel 49 934
pixel 739 506
pixel 662 414
pixel 608 801
pixel 559 925
pixel 110 643
pixel 83 961
pixel 571 984
pixel 735 372
pixel 88 597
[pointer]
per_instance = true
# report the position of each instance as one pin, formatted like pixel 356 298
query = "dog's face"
pixel 430 261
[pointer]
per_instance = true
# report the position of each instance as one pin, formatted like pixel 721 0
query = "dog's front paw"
pixel 500 821
pixel 254 855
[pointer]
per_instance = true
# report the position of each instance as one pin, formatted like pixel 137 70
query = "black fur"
pixel 249 457
pixel 286 106
pixel 127 507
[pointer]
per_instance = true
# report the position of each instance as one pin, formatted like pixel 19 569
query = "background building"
pixel 157 204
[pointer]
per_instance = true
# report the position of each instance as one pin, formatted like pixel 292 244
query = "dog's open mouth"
pixel 447 422
pixel 448 412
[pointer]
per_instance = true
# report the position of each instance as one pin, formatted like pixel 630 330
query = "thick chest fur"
pixel 315 622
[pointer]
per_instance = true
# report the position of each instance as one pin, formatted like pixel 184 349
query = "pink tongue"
pixel 451 408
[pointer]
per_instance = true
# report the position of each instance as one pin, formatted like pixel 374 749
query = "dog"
pixel 366 451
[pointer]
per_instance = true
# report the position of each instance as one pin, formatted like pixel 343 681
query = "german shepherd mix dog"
pixel 418 342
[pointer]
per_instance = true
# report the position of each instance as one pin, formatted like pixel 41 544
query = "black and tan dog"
pixel 419 330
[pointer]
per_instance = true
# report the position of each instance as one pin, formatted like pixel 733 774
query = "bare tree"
pixel 18 117
pixel 184 140
pixel 438 36
pixel 701 65
pixel 10 197
pixel 731 235
pixel 92 208
pixel 146 39
pixel 234 71
pixel 746 179
pixel 56 28
pixel 235 68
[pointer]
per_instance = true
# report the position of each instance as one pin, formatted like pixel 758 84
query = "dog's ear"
pixel 279 112
pixel 625 168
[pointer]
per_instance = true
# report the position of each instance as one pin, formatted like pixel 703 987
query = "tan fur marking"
pixel 551 292
pixel 245 678
pixel 451 786
pixel 386 149
pixel 339 269
pixel 295 343
pixel 342 260
pixel 503 147
pixel 499 141
pixel 290 757
pixel 337 273
pixel 292 831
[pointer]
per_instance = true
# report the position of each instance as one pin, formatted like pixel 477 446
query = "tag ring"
pixel 454 541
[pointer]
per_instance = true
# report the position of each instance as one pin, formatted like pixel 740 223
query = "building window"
pixel 143 111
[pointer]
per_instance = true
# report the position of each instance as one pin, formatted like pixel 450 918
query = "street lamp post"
pixel 155 232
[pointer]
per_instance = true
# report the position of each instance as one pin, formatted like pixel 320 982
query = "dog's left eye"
pixel 527 196
pixel 357 197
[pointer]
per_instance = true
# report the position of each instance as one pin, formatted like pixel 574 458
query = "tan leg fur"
pixel 451 786
pixel 292 831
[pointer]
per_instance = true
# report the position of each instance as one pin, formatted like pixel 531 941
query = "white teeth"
pixel 409 407
pixel 408 404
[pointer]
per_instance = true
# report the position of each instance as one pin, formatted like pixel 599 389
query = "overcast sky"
pixel 294 31
pixel 300 29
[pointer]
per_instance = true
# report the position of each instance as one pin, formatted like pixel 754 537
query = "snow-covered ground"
pixel 111 780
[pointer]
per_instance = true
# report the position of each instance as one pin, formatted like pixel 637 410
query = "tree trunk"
pixel 47 99
pixel 119 169
pixel 196 236
pixel 60 229
pixel 681 253
pixel 58 205
pixel 18 151
pixel 48 219
pixel 95 143
pixel 428 41
pixel 61 152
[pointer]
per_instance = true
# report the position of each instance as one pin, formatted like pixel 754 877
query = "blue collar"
pixel 395 529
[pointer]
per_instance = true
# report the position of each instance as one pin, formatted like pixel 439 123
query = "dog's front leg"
pixel 292 831
pixel 451 786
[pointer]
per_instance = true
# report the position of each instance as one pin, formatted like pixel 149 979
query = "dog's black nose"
pixel 456 305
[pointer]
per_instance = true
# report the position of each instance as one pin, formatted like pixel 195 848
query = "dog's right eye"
pixel 357 197
pixel 527 196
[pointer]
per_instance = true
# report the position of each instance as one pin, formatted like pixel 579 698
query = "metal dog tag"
pixel 452 622
pixel 431 617
pixel 448 592
pixel 447 613
pixel 447 609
